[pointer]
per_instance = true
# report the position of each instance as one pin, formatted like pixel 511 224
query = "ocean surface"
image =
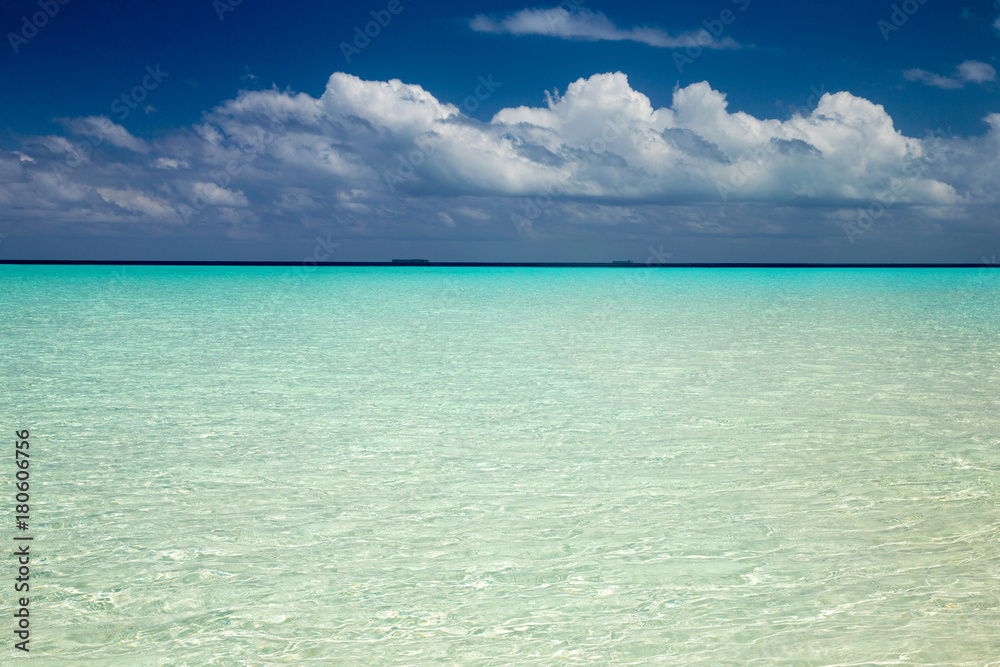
pixel 508 466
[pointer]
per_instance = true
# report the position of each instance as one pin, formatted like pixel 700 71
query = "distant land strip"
pixel 410 263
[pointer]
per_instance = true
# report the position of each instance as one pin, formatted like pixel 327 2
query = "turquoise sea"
pixel 509 466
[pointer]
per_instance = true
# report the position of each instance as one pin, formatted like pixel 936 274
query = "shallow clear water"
pixel 507 466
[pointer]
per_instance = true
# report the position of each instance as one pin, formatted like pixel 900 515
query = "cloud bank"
pixel 385 156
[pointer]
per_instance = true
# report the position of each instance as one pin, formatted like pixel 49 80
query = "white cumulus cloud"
pixel 378 156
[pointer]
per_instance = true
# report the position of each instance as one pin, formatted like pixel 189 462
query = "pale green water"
pixel 506 466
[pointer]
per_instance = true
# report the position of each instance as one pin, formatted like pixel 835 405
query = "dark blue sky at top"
pixel 799 202
pixel 93 50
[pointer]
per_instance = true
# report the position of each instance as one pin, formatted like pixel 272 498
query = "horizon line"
pixel 410 263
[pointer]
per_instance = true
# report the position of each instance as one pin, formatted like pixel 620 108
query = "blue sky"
pixel 734 130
